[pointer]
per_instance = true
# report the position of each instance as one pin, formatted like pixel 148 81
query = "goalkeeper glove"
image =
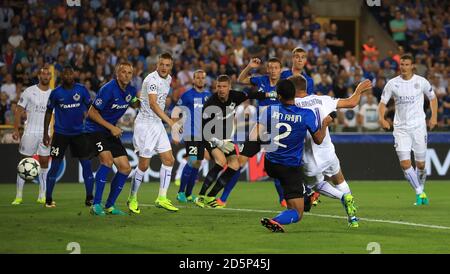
pixel 224 145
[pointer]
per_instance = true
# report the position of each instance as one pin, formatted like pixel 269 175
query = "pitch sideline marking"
pixel 326 216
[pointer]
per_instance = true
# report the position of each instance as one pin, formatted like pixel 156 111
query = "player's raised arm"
pixel 353 100
pixel 244 76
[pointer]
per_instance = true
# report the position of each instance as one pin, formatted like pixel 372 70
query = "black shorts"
pixel 290 179
pixel 79 146
pixel 102 141
pixel 209 146
pixel 249 148
pixel 195 149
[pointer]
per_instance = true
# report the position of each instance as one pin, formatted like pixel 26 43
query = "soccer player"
pixel 69 102
pixel 298 64
pixel 218 120
pixel 287 126
pixel 191 103
pixel 266 84
pixel 320 160
pixel 33 102
pixel 109 106
pixel 410 129
pixel 150 134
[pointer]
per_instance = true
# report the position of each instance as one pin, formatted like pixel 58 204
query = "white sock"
pixel 42 182
pixel 328 190
pixel 411 176
pixel 180 170
pixel 165 174
pixel 136 182
pixel 422 176
pixel 344 187
pixel 20 183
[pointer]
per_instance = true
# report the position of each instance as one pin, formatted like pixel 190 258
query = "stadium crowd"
pixel 219 37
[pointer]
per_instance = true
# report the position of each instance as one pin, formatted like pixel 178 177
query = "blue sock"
pixel 287 217
pixel 51 178
pixel 88 177
pixel 279 189
pixel 230 185
pixel 100 180
pixel 117 184
pixel 185 177
pixel 192 180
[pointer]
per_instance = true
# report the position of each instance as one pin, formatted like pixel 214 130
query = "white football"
pixel 28 169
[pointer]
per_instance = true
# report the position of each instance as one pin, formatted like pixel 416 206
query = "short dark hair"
pixel 298 81
pixel 166 55
pixel 67 66
pixel 407 56
pixel 224 78
pixel 286 89
pixel 274 60
pixel 298 49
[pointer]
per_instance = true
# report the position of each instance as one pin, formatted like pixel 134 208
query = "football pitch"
pixel 388 219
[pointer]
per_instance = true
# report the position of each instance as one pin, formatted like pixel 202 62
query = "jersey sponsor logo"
pixel 65 106
pixel 128 98
pixel 117 106
pixel 98 102
pixel 406 99
pixel 198 105
pixel 76 97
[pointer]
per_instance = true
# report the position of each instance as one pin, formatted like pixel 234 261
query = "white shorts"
pixel 150 138
pixel 412 139
pixel 31 144
pixel 315 174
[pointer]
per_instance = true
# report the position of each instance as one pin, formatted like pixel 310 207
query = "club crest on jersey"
pixel 98 102
pixel 76 97
pixel 416 86
pixel 128 98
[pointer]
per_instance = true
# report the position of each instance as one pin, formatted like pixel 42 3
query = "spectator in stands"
pixel 398 28
pixel 9 87
pixel 446 108
pixel 4 106
pixel 369 114
pixel 370 52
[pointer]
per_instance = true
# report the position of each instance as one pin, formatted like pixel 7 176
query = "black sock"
pixel 222 181
pixel 210 177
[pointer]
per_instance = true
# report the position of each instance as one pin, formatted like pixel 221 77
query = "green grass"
pixel 31 228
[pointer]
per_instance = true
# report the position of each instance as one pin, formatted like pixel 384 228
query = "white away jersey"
pixel 408 97
pixel 318 155
pixel 153 84
pixel 34 101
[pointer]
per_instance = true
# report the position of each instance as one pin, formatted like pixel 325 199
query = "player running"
pixel 410 128
pixel 33 102
pixel 111 103
pixel 70 102
pixel 191 104
pixel 287 126
pixel 320 160
pixel 150 135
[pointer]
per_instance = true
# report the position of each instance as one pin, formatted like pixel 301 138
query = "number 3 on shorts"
pixel 99 146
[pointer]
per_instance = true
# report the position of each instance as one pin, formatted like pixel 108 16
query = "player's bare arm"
pixel 153 102
pixel 353 100
pixel 96 117
pixel 47 119
pixel 320 134
pixel 244 76
pixel 381 112
pixel 18 114
pixel 434 110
